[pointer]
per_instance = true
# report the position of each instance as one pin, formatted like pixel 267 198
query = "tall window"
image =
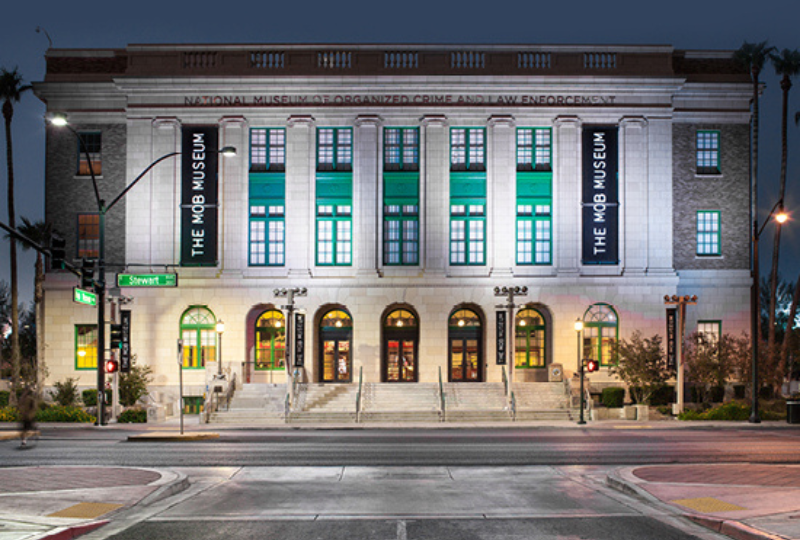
pixel 92 145
pixel 600 332
pixel 529 344
pixel 708 232
pixel 334 204
pixel 468 149
pixel 267 196
pixel 534 197
pixel 88 236
pixel 401 196
pixel 335 149
pixel 271 341
pixel 709 333
pixel 199 337
pixel 468 234
pixel 267 150
pixel 335 337
pixel 708 152
pixel 85 346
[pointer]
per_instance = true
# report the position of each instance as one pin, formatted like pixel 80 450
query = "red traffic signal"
pixel 112 366
pixel 592 365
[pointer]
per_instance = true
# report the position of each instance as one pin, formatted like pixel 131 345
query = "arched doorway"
pixel 335 337
pixel 465 347
pixel 198 336
pixel 270 349
pixel 600 333
pixel 400 340
pixel 529 343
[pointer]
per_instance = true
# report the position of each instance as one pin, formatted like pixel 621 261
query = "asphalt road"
pixel 406 447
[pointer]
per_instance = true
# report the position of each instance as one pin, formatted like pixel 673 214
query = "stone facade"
pixel 655 97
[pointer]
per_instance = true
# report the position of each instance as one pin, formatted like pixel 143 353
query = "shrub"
pixel 133 385
pixel 8 414
pixel 89 397
pixel 4 395
pixel 66 393
pixel 613 397
pixel 639 362
pixel 661 396
pixel 733 410
pixel 60 413
pixel 133 416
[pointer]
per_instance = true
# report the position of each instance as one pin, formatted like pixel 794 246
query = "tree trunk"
pixel 755 71
pixel 38 299
pixel 8 113
pixel 786 85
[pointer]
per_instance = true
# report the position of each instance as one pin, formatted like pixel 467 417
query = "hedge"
pixel 613 397
pixel 133 416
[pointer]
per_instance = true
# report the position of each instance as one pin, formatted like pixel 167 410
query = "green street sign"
pixel 147 280
pixel 80 296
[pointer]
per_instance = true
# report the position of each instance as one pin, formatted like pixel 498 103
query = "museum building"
pixel 397 192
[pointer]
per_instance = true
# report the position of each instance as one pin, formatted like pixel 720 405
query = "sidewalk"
pixel 743 501
pixel 61 503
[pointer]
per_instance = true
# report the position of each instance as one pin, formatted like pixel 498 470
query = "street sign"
pixel 672 339
pixel 80 296
pixel 147 280
pixel 125 350
pixel 501 337
pixel 299 339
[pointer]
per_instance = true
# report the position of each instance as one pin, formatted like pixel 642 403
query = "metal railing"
pixel 358 394
pixel 513 405
pixel 213 400
pixel 442 410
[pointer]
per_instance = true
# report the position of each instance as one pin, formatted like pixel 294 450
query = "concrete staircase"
pixel 254 404
pixel 400 402
pixel 325 403
pixel 476 402
pixel 542 401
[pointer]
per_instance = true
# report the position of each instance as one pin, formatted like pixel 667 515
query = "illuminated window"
pixel 85 346
pixel 267 197
pixel 708 152
pixel 401 149
pixel 467 234
pixel 600 332
pixel 199 337
pixel 529 344
pixel 533 149
pixel 467 149
pixel 708 333
pixel 88 236
pixel 92 145
pixel 334 149
pixel 267 149
pixel 271 341
pixel 708 232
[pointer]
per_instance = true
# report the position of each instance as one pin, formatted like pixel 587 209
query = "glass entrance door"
pixel 401 361
pixel 464 360
pixel 336 361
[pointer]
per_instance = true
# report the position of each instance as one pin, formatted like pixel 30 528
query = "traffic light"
pixel 592 365
pixel 87 275
pixel 58 252
pixel 112 366
pixel 116 336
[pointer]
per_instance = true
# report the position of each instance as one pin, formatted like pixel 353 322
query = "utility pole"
pixel 681 302
pixel 509 293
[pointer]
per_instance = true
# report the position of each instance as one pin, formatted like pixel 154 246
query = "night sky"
pixel 684 24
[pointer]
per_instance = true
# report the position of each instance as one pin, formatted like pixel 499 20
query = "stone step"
pixel 400 416
pixel 322 417
pixel 477 415
pixel 549 415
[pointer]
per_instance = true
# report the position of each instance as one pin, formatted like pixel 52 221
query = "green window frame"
pixel 267 149
pixel 85 346
pixel 600 333
pixel 93 146
pixel 334 149
pixel 468 234
pixel 530 340
pixel 534 151
pixel 270 350
pixel 400 149
pixel 400 234
pixel 708 152
pixel 334 235
pixel 199 336
pixel 467 149
pixel 709 230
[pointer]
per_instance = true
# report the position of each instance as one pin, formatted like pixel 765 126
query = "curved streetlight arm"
pixel 771 213
pixel 144 172
pixel 89 163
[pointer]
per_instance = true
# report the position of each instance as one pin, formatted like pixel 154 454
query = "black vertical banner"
pixel 501 337
pixel 125 350
pixel 199 154
pixel 600 195
pixel 672 338
pixel 299 339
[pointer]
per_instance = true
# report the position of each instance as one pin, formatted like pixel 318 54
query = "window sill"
pixel 708 257
pixel 708 176
pixel 87 177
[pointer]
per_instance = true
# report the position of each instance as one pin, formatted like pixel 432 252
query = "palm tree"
pixel 40 232
pixel 11 90
pixel 787 64
pixel 753 56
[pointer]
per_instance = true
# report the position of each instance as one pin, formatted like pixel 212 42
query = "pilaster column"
pixel 300 195
pixel 660 202
pixel 164 223
pixel 633 181
pixel 233 203
pixel 435 180
pixel 567 194
pixel 365 195
pixel 502 192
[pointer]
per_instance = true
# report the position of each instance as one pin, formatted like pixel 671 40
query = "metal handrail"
pixel 513 407
pixel 441 395
pixel 358 394
pixel 505 381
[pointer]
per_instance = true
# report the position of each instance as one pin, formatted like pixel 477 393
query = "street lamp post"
pixel 755 303
pixel 510 293
pixel 290 295
pixel 220 328
pixel 578 330
pixel 100 282
pixel 681 302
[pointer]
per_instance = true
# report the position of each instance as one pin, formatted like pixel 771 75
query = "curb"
pixel 181 483
pixel 68 533
pixel 167 436
pixel 733 529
